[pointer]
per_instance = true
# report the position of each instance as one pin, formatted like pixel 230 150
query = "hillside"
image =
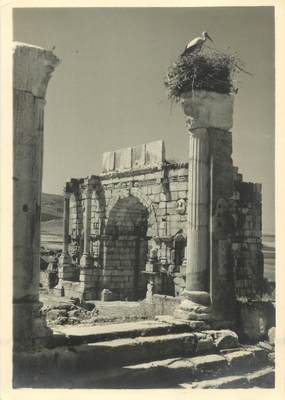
pixel 52 206
pixel 52 221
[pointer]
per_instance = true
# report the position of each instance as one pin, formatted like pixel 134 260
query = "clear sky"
pixel 108 91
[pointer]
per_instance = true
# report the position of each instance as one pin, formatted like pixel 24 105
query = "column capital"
pixel 33 67
pixel 205 109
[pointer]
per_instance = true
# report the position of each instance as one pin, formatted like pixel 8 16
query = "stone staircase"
pixel 147 354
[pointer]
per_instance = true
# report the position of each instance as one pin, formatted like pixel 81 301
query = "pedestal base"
pixel 29 326
pixel 195 306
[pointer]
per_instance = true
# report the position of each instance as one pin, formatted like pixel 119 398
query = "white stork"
pixel 196 44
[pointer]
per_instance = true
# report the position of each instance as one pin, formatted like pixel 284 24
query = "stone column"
pixel 66 268
pixel 87 270
pixel 197 270
pixel 32 70
pixel 85 259
pixel 208 119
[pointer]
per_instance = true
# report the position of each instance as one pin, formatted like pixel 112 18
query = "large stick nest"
pixel 205 70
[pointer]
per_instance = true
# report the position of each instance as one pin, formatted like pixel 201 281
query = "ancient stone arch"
pixel 138 193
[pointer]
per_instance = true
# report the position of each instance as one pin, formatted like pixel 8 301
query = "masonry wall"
pixel 139 207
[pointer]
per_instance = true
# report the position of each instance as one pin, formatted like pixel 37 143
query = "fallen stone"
pixel 240 360
pixel 271 336
pixel 211 362
pixel 54 314
pixel 227 340
pixel 88 306
pixel 265 345
pixel 205 343
pixel 225 382
pixel 61 320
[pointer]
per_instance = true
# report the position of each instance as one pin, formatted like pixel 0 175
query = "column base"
pixel 195 306
pixel 29 327
pixel 86 261
pixel 66 270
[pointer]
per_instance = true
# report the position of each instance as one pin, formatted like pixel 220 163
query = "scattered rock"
pixel 75 300
pixel 61 320
pixel 265 345
pixel 88 306
pixel 54 314
pixel 227 340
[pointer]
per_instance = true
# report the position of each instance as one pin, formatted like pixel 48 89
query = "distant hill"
pixel 52 206
pixel 52 221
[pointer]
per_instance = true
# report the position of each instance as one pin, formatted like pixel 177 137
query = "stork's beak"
pixel 208 36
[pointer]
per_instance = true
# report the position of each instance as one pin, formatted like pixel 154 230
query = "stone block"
pixel 254 319
pixel 225 382
pixel 208 110
pixel 239 360
pixel 209 363
pixel 228 340
pixel 155 153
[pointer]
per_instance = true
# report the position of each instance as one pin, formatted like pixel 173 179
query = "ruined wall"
pixel 247 242
pixel 139 206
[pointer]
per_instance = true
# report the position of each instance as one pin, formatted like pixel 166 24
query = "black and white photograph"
pixel 143 194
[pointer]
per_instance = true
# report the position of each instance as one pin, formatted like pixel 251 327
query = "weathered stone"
pixel 227 340
pixel 240 359
pixel 265 345
pixel 208 110
pixel 225 382
pixel 271 336
pixel 210 362
pixel 32 69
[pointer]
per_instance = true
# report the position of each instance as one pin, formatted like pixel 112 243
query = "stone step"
pixel 136 350
pixel 262 378
pixel 147 362
pixel 207 371
pixel 73 335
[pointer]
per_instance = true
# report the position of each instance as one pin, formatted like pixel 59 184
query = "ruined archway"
pixel 125 250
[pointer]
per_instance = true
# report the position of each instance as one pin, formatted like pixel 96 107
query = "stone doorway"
pixel 126 247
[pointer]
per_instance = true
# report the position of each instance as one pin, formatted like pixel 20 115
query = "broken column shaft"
pixel 32 70
pixel 209 273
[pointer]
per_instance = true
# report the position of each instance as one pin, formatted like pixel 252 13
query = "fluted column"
pixel 32 70
pixel 85 259
pixel 198 212
pixel 88 273
pixel 208 119
pixel 66 223
pixel 66 270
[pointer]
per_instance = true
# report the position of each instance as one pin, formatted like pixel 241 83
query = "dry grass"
pixel 208 69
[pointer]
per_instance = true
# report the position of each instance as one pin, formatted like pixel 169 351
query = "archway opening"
pixel 126 247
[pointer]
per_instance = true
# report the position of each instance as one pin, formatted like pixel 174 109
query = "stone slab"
pixel 147 155
pixel 79 334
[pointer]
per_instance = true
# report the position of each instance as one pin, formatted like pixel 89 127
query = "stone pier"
pixel 32 70
pixel 209 293
pixel 66 269
pixel 88 272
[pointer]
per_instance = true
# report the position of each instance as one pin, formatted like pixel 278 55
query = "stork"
pixel 196 44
